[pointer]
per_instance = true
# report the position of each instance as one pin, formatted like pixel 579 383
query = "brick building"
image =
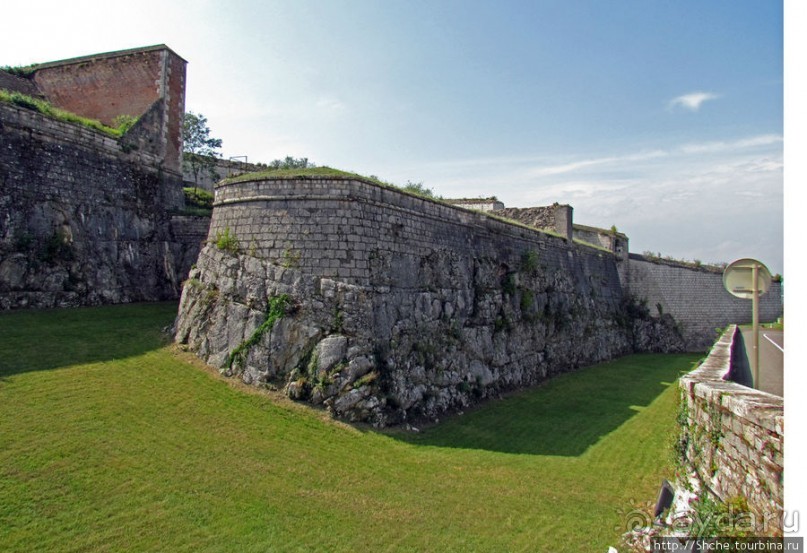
pixel 147 83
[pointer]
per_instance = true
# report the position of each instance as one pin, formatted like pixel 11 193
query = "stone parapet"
pixel 339 227
pixel 733 436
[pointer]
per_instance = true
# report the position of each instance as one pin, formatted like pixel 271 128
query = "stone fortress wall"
pixel 696 298
pixel 149 83
pixel 693 295
pixel 86 218
pixel 222 169
pixel 478 204
pixel 399 307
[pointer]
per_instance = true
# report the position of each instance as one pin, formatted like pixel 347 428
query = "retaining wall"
pixel 733 436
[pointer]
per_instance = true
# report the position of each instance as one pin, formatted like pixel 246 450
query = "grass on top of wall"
pixel 113 440
pixel 308 172
pixel 46 108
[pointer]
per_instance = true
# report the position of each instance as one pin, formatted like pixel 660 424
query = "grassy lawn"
pixel 111 440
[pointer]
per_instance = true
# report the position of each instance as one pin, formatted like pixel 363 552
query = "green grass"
pixel 306 172
pixel 198 197
pixel 46 108
pixel 112 440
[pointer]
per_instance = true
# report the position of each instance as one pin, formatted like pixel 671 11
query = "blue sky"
pixel 662 118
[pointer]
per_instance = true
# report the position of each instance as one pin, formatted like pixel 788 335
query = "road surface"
pixel 771 358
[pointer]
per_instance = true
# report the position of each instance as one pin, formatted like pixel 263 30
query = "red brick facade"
pixel 128 82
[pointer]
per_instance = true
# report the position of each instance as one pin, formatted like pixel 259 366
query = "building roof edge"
pixel 106 55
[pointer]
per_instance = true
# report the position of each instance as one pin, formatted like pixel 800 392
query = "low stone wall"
pixel 733 436
pixel 188 234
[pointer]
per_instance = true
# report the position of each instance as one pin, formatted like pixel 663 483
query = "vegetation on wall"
pixel 198 198
pixel 275 309
pixel 123 122
pixel 419 189
pixel 695 264
pixel 288 162
pixel 20 71
pixel 227 241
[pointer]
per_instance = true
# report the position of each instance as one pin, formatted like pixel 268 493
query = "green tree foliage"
pixel 419 188
pixel 289 163
pixel 199 149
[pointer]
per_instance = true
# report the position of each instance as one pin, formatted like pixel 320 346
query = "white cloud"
pixel 692 101
pixel 722 146
pixel 330 105
pixel 583 164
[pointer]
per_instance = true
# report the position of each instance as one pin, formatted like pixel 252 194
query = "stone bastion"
pixel 387 307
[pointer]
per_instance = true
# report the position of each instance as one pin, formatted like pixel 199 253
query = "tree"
pixel 199 150
pixel 290 163
pixel 419 189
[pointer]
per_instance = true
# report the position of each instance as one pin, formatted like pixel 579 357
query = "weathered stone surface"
pixel 696 298
pixel 403 308
pixel 82 221
pixel 732 436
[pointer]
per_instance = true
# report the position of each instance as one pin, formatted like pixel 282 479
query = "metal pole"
pixel 755 315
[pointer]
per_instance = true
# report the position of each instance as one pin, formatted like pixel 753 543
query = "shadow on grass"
pixel 564 416
pixel 36 340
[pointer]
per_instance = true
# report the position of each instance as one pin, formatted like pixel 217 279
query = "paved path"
pixel 771 358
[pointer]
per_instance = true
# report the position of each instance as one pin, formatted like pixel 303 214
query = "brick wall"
pixel 129 82
pixel 696 299
pixel 733 437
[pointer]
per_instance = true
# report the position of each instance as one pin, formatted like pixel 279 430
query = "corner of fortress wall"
pixel 399 308
pixel 57 176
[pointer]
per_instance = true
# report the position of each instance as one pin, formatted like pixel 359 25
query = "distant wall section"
pixel 695 297
pixel 479 204
pixel 223 168
pixel 555 218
